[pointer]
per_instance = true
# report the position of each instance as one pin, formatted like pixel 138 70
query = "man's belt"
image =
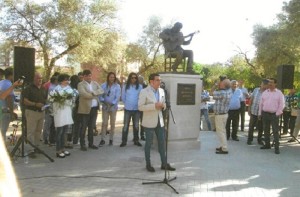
pixel 36 110
pixel 220 113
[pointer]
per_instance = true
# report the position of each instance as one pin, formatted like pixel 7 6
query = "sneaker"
pixel 102 142
pixel 167 167
pixel 110 142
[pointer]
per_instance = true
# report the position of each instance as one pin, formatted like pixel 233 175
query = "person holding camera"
pixel 221 94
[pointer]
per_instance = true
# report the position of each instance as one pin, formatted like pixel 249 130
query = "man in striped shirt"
pixel 270 109
pixel 253 112
pixel 222 96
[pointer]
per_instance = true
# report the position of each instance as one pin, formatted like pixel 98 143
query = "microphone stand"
pixel 23 137
pixel 166 180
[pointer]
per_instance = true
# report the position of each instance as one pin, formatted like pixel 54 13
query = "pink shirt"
pixel 272 102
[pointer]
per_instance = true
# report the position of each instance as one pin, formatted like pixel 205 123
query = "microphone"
pixel 21 79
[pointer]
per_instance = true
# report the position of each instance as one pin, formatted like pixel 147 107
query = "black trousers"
pixel 254 121
pixel 88 121
pixel 288 122
pixel 233 118
pixel 242 114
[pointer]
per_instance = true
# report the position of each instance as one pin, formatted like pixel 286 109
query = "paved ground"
pixel 114 171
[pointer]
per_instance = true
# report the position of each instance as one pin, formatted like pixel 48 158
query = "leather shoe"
pixel 260 142
pixel 150 168
pixel 265 147
pixel 219 149
pixel 93 147
pixel 122 144
pixel 221 152
pixel 102 142
pixel 83 148
pixel 167 167
pixel 137 143
pixel 60 155
pixel 277 151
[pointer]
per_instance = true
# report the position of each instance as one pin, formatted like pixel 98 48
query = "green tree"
pixel 57 27
pixel 147 50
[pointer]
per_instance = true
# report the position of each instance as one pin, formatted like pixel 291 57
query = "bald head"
pixel 38 79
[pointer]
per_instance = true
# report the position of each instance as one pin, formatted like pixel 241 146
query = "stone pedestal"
pixel 184 93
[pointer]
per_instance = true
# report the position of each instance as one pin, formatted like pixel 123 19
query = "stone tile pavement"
pixel 113 171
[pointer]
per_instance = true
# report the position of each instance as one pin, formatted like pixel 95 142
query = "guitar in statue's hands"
pixel 172 41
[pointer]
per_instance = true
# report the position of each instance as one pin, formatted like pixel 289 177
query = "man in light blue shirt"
pixel 8 103
pixel 234 111
pixel 130 96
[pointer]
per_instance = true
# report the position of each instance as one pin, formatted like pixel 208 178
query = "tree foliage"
pixel 147 50
pixel 280 43
pixel 57 27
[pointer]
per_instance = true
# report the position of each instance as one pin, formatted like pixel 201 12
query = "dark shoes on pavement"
pixel 83 148
pixel 291 140
pixel 265 147
pixel 150 168
pixel 137 143
pixel 102 142
pixel 277 151
pixel 122 144
pixel 167 167
pixel 93 147
pixel 221 151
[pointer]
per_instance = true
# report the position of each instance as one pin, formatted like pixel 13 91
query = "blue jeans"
pixel 4 122
pixel 60 137
pixel 135 116
pixel 160 134
pixel 204 112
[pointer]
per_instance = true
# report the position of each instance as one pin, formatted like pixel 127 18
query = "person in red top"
pixel 270 109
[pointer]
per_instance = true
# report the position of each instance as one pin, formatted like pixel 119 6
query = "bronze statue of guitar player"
pixel 172 41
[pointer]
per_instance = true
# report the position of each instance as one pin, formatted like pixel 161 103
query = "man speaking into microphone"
pixel 151 102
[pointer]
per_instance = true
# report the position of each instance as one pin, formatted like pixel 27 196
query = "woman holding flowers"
pixel 62 99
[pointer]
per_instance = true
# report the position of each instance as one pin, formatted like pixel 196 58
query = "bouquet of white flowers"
pixel 63 96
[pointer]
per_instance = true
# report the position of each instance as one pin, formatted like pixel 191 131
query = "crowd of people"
pixel 64 110
pixel 268 106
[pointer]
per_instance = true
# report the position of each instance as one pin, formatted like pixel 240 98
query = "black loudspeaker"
pixel 285 76
pixel 24 63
